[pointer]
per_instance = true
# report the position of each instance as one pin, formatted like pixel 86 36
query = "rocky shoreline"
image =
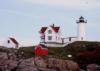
pixel 36 64
pixel 11 61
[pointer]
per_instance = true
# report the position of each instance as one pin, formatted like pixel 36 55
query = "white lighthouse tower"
pixel 81 29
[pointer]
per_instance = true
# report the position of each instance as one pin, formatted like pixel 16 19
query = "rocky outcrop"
pixel 10 60
pixel 27 65
pixel 56 64
pixel 7 62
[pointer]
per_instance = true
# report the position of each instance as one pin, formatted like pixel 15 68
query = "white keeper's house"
pixel 50 34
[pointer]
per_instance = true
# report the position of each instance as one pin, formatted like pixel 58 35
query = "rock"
pixel 27 65
pixel 3 60
pixel 46 69
pixel 63 64
pixel 71 65
pixel 40 62
pixel 93 67
pixel 57 63
pixel 12 64
pixel 3 55
pixel 9 61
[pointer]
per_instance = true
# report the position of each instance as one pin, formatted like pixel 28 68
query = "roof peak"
pixel 81 17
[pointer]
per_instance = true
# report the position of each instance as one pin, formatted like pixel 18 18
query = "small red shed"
pixel 41 50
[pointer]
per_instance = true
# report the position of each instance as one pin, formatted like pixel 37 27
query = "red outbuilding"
pixel 41 50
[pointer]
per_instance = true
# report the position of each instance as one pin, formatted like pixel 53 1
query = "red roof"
pixel 14 40
pixel 56 29
pixel 43 29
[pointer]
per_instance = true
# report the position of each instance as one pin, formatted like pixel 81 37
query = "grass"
pixel 61 52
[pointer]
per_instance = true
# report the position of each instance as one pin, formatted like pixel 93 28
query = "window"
pixel 8 41
pixel 49 31
pixel 81 38
pixel 69 38
pixel 49 37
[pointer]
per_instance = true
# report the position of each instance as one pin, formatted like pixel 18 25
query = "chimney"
pixel 53 25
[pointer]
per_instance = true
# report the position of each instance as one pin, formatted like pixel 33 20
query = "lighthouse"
pixel 81 36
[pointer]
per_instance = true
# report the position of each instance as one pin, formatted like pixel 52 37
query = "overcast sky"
pixel 23 19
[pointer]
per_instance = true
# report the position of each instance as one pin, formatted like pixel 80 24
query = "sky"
pixel 22 19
